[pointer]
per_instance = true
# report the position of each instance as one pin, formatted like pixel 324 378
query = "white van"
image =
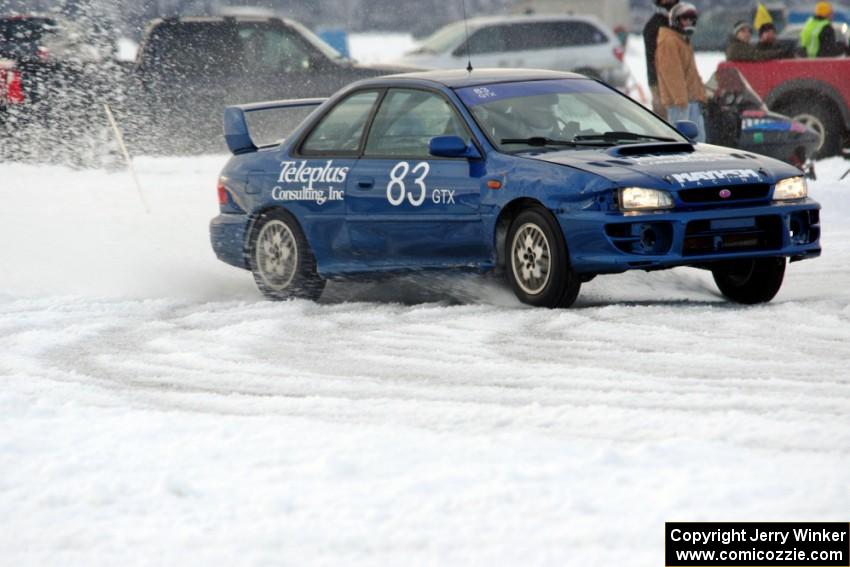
pixel 558 42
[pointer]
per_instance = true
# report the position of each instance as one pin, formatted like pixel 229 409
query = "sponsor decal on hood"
pixel 716 175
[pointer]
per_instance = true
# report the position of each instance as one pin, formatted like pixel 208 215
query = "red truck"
pixel 815 92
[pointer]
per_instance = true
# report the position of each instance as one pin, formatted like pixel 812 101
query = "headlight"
pixel 791 188
pixel 638 199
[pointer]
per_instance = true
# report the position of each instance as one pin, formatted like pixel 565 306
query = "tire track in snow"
pixel 587 372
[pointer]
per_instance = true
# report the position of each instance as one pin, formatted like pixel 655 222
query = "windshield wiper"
pixel 540 141
pixel 622 136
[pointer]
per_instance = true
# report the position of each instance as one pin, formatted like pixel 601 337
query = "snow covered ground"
pixel 155 410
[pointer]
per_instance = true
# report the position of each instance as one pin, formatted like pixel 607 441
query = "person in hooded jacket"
pixel 679 84
pixel 660 19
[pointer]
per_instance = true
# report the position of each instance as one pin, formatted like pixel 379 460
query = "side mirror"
pixel 451 147
pixel 688 129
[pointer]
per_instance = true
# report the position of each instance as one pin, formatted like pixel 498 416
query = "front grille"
pixel 733 235
pixel 736 193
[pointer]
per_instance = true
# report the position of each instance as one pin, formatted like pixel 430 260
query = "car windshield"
pixel 443 39
pixel 317 42
pixel 558 114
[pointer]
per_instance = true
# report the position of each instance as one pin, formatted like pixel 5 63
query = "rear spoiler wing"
pixel 236 132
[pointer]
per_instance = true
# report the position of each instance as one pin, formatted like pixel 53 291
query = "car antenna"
pixel 466 24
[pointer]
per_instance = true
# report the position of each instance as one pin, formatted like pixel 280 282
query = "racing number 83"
pixel 396 189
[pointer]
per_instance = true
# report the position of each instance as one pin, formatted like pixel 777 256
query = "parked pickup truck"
pixel 188 69
pixel 815 92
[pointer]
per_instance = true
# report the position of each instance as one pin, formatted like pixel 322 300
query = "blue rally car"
pixel 551 177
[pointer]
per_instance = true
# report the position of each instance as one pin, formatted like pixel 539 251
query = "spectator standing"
pixel 818 37
pixel 679 84
pixel 768 48
pixel 659 20
pixel 740 47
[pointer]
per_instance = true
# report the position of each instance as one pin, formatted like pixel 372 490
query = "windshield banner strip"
pixel 473 96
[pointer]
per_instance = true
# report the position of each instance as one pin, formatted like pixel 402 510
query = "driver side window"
pixel 406 122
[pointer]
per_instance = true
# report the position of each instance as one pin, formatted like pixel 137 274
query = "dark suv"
pixel 189 69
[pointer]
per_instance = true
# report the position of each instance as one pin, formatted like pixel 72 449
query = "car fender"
pixel 249 175
pixel 562 190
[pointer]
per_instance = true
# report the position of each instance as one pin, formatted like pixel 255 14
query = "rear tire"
pixel 538 263
pixel 750 281
pixel 281 260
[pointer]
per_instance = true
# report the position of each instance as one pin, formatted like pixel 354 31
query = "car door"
pixel 584 42
pixel 406 208
pixel 550 45
pixel 524 44
pixel 311 179
pixel 558 45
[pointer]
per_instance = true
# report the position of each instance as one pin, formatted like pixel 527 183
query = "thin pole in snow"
pixel 129 161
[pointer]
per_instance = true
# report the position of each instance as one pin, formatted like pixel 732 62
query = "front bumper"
pixel 227 236
pixel 601 242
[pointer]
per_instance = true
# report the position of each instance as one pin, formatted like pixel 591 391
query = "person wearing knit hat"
pixel 818 37
pixel 743 29
pixel 768 48
pixel 767 35
pixel 740 47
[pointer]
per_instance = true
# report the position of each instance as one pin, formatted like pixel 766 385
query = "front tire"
pixel 539 269
pixel 750 281
pixel 821 117
pixel 281 260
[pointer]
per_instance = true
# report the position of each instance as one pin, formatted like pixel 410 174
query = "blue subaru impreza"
pixel 552 178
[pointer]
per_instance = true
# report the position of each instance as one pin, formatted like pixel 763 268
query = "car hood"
pixel 674 166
